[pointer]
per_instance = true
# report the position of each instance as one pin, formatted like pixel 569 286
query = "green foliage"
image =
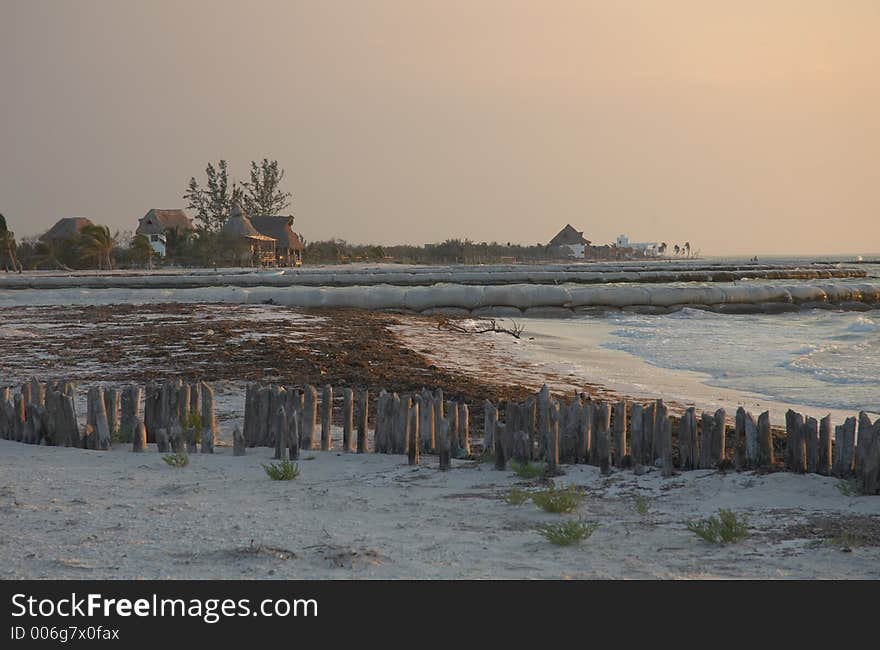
pixel 641 505
pixel 263 193
pixel 726 528
pixel 213 203
pixel 847 540
pixel 141 250
pixel 176 460
pixel 559 500
pixel 847 488
pixel 95 245
pixel 567 533
pixel 123 435
pixel 517 497
pixel 283 471
pixel 527 470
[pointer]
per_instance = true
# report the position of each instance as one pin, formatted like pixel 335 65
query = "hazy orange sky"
pixel 747 127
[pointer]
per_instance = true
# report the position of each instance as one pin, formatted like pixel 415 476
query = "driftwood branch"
pixel 481 326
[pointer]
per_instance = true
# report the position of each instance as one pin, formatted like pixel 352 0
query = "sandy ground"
pixel 69 513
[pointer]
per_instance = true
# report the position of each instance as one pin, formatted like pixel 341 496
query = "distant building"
pixel 66 228
pixel 263 240
pixel 646 248
pixel 571 239
pixel 157 224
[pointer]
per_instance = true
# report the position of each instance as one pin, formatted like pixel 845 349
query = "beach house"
pixel 65 228
pixel 262 240
pixel 158 225
pixel 572 241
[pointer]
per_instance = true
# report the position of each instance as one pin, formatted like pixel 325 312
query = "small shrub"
pixel 726 528
pixel 847 488
pixel 123 435
pixel 559 500
pixel 568 532
pixel 517 497
pixel 283 471
pixel 527 470
pixel 641 505
pixel 176 460
pixel 847 540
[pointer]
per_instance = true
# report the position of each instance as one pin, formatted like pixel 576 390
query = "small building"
pixel 571 239
pixel 249 245
pixel 66 228
pixel 289 246
pixel 649 249
pixel 157 224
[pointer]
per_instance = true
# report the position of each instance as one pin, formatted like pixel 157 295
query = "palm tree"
pixel 96 245
pixel 7 247
pixel 142 250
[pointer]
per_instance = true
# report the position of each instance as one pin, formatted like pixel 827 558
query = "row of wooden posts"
pixel 180 417
pixel 177 416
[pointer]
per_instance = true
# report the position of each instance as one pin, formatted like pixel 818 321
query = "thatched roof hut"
pixel 65 228
pixel 156 222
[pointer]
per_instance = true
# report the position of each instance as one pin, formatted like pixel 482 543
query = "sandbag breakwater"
pixel 621 434
pixel 426 276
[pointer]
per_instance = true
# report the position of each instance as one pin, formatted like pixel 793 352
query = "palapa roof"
pixel 157 221
pixel 66 227
pixel 279 229
pixel 239 225
pixel 569 236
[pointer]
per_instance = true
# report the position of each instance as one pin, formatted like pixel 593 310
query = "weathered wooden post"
pixel 130 409
pixel 688 444
pixel 111 404
pixel 454 434
pixel 863 436
pixel 584 433
pixel 238 443
pixel 648 434
pixel 403 425
pixel 739 438
pixel 551 445
pixel 542 416
pixel 425 402
pixel 637 436
pixel 602 435
pixel 618 420
pixel 844 448
pixel 139 438
pixel 209 419
pixel 309 418
pixel 19 416
pixel 766 455
pixel 163 442
pixel 293 429
pixel 752 442
pixel 97 418
pixel 824 464
pixel 811 444
pixel 464 431
pixel 490 420
pixel 707 424
pixel 520 447
pixel 718 438
pixel 413 444
pixel 363 419
pixel 347 419
pixel 282 434
pixel 868 473
pixel 795 443
pixel 664 426
pixel 443 445
pixel 498 441
pixel 326 417
pixel 183 412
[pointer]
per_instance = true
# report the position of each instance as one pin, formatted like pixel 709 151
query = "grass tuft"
pixel 528 470
pixel 641 505
pixel 559 500
pixel 568 532
pixel 517 497
pixel 726 528
pixel 283 471
pixel 847 488
pixel 176 460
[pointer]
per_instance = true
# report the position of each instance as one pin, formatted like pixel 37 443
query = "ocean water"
pixel 819 358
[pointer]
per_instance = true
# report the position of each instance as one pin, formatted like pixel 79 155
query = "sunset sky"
pixel 748 127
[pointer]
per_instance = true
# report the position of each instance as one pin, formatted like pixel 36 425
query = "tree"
pixel 661 249
pixel 677 249
pixel 96 245
pixel 213 203
pixel 142 250
pixel 7 247
pixel 687 248
pixel 263 193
